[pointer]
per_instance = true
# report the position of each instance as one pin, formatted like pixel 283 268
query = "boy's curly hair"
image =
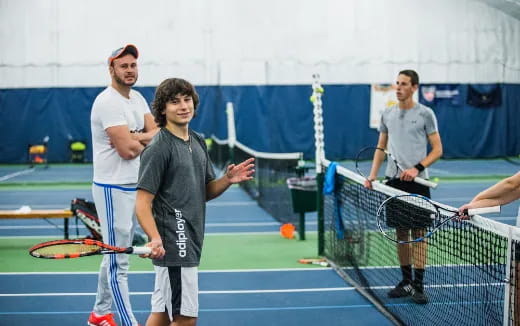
pixel 166 92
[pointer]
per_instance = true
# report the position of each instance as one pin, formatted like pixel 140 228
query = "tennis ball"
pixel 320 90
pixel 313 99
pixel 78 146
pixel 436 180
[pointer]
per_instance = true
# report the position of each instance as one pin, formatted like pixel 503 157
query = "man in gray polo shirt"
pixel 405 130
pixel 176 179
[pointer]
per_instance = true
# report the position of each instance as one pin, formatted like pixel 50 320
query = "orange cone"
pixel 287 231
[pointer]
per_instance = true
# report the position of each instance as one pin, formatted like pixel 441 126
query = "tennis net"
pixel 471 274
pixel 219 152
pixel 269 185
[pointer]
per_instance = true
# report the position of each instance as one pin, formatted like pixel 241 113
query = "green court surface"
pixel 221 252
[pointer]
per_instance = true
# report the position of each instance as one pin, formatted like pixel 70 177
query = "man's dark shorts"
pixel 407 216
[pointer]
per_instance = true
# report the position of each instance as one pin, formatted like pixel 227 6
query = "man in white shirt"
pixel 122 125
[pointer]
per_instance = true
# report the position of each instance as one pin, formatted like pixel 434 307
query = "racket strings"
pixel 408 213
pixel 66 249
pixel 364 160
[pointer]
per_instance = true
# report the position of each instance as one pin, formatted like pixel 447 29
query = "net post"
pixel 321 218
pixel 301 228
pixel 317 91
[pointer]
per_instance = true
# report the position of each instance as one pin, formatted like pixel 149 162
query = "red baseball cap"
pixel 129 48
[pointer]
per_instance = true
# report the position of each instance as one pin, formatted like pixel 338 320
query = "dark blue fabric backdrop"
pixel 268 119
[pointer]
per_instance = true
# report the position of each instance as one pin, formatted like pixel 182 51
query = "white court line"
pixel 246 233
pixel 15 174
pixel 224 224
pixel 30 227
pixel 36 206
pixel 60 205
pixel 249 291
pixel 50 294
pixel 252 270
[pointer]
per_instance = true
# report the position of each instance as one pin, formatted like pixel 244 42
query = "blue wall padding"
pixel 268 119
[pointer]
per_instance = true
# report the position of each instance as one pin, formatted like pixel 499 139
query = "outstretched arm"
pixel 234 174
pixel 499 194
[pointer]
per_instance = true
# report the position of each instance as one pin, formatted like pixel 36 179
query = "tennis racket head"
pixel 74 248
pixel 397 215
pixel 365 159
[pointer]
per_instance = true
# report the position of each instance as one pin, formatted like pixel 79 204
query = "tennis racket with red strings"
pixel 75 248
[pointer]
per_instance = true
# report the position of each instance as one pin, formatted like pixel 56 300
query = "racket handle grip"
pixel 141 250
pixel 424 182
pixel 483 210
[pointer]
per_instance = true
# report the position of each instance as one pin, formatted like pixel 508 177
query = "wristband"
pixel 419 167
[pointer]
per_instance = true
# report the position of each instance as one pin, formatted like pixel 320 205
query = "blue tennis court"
pixel 228 297
pixel 300 296
pixel 271 297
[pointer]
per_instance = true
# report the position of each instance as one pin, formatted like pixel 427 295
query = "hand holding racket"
pixel 364 166
pixel 75 248
pixel 398 214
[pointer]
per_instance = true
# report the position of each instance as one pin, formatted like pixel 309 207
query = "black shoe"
pixel 418 295
pixel 403 289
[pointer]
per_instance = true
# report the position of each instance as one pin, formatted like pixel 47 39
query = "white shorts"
pixel 157 301
pixel 176 291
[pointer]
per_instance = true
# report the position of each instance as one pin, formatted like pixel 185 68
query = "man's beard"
pixel 121 82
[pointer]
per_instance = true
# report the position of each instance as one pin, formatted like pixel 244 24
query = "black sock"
pixel 419 275
pixel 406 270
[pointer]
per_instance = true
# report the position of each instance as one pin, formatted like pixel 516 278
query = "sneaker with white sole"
pixel 403 289
pixel 418 295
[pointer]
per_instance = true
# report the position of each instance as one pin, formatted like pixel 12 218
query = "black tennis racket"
pixel 364 160
pixel 75 248
pixel 419 214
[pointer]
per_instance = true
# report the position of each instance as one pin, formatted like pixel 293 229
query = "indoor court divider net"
pixel 269 185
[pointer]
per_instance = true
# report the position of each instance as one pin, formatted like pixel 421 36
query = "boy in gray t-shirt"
pixel 406 130
pixel 176 179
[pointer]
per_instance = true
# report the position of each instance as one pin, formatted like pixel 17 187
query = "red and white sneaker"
pixel 103 320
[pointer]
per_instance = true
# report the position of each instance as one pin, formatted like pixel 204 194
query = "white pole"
pixel 232 136
pixel 319 139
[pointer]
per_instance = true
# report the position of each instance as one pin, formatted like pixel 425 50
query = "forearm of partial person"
pixel 502 193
